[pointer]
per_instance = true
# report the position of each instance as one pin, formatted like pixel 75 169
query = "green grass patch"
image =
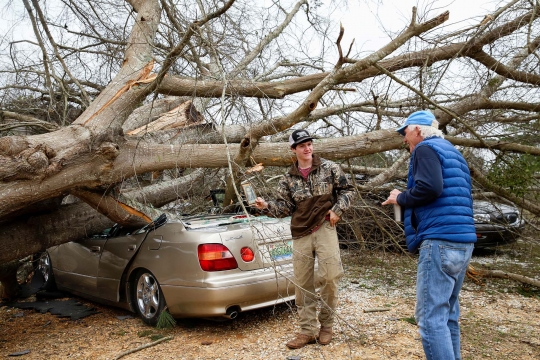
pixel 145 333
pixel 411 320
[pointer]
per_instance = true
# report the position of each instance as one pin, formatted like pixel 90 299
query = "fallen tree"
pixel 170 94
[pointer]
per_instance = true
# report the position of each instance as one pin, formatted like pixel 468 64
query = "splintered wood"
pixel 182 116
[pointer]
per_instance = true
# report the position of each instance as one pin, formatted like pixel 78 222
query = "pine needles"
pixel 165 320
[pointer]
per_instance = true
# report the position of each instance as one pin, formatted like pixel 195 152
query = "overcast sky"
pixel 365 20
pixel 362 19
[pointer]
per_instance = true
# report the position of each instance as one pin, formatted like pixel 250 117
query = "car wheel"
pixel 148 298
pixel 46 270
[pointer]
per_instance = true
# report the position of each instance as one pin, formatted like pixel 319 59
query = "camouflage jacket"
pixel 327 188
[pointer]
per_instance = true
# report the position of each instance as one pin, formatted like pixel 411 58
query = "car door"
pixel 116 255
pixel 78 262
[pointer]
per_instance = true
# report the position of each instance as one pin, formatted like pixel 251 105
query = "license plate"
pixel 280 252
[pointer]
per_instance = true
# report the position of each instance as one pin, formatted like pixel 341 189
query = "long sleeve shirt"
pixel 428 180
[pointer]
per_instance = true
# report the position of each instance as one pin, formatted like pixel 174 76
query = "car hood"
pixel 486 207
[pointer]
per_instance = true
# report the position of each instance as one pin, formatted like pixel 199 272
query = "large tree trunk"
pixel 112 163
pixel 57 224
pixel 124 133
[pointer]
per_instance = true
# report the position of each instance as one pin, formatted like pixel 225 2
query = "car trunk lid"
pixel 268 238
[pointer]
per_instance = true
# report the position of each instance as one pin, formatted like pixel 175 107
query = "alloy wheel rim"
pixel 147 295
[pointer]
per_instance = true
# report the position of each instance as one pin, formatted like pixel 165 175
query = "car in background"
pixel 199 266
pixel 496 223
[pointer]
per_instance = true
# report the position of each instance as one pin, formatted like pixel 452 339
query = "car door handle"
pixel 95 248
pixel 132 247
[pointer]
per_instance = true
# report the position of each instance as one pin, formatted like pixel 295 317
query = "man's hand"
pixel 260 203
pixel 333 218
pixel 392 198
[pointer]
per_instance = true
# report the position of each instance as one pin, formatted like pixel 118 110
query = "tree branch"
pixel 265 41
pixel 521 202
pixel 55 48
pixel 112 208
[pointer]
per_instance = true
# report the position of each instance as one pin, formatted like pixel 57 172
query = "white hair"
pixel 426 131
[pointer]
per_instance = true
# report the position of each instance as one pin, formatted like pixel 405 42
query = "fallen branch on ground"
pixel 142 347
pixel 376 310
pixel 474 274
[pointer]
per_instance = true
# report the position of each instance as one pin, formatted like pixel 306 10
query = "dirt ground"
pixel 500 320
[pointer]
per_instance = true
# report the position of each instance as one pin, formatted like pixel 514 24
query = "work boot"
pixel 325 335
pixel 300 341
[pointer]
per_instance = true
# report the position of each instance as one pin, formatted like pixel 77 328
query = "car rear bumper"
pixel 216 298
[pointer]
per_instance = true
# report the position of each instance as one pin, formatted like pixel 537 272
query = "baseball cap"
pixel 423 117
pixel 299 136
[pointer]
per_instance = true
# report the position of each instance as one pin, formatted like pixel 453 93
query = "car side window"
pixel 103 234
pixel 122 232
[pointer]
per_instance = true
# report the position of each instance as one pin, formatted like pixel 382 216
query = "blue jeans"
pixel 441 270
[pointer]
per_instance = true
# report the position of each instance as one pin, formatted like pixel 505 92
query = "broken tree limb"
pixel 115 210
pixel 474 274
pixel 164 192
pixel 499 145
pixel 138 54
pixel 145 346
pixel 151 111
pixel 144 73
pixel 181 116
pixel 376 310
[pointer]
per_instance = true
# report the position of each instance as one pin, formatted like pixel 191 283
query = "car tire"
pixel 148 299
pixel 45 269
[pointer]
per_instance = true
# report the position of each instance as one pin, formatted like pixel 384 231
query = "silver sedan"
pixel 204 266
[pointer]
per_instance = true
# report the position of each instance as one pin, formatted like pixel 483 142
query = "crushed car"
pixel 198 266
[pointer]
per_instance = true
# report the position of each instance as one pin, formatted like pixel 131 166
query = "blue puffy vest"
pixel 450 216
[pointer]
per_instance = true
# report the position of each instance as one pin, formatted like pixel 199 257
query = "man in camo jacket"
pixel 315 192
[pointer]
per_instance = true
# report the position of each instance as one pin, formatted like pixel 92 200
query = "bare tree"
pixel 103 93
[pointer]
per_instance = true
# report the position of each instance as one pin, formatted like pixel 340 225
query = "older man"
pixel 439 224
pixel 316 192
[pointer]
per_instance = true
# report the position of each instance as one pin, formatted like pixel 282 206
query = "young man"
pixel 315 192
pixel 439 223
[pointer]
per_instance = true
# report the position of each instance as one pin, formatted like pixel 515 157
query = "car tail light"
pixel 247 254
pixel 216 257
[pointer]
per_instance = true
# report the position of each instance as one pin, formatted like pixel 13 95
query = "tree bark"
pixel 9 287
pixel 35 234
